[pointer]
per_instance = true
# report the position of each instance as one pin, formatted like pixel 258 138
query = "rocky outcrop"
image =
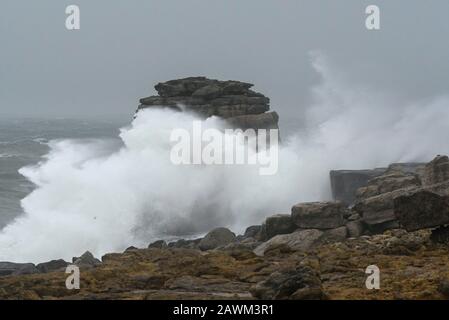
pixel 412 268
pixel 10 268
pixel 436 171
pixel 87 261
pixel 410 196
pixel 159 244
pixel 53 265
pixel 231 100
pixel 216 238
pixel 345 184
pixel 375 201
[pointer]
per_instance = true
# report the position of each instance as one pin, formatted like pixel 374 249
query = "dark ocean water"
pixel 23 142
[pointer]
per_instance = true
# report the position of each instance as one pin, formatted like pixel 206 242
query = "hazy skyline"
pixel 124 48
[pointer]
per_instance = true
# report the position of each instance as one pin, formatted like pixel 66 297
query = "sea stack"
pixel 231 100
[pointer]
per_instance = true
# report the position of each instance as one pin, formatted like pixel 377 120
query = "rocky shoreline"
pixel 395 218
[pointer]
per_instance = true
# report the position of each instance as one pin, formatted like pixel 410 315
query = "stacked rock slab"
pixel 309 225
pixel 375 201
pixel 345 183
pixel 409 196
pixel 231 100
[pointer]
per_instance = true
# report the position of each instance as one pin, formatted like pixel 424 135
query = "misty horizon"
pixel 123 50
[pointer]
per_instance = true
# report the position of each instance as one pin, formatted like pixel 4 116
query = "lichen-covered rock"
pixel 301 283
pixel 412 268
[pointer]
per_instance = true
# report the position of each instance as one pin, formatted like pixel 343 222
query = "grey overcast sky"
pixel 125 47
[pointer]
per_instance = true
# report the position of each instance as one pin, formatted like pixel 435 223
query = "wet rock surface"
pixel 320 251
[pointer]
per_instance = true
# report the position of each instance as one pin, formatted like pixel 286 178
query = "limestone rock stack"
pixel 232 100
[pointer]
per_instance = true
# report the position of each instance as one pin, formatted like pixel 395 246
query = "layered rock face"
pixel 375 201
pixel 231 100
pixel 411 196
pixel 345 183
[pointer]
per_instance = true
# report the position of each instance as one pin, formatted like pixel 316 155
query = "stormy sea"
pixel 25 142
pixel 67 186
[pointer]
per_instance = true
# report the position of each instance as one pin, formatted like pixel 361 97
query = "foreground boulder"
pixel 378 212
pixel 319 215
pixel 216 238
pixel 301 283
pixel 422 209
pixel 275 225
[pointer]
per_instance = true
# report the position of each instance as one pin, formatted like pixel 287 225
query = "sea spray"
pixel 89 197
